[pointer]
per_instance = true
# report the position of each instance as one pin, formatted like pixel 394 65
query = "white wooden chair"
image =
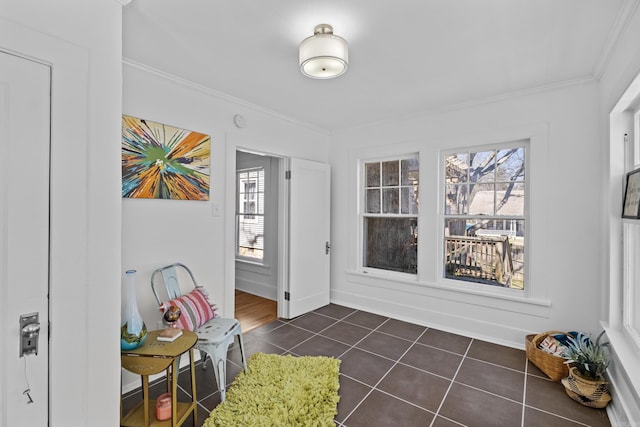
pixel 215 336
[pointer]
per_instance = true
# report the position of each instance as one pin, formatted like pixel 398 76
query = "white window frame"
pixel 463 285
pixel 362 214
pixel 255 220
pixel 631 248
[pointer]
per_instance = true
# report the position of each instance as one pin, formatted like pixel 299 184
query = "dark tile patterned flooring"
pixel 399 374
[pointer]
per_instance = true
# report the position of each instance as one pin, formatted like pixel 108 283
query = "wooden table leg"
pixel 145 398
pixel 121 396
pixel 174 392
pixel 194 400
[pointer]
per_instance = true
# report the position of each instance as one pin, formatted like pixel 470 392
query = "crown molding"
pixel 470 104
pixel 204 89
pixel 625 14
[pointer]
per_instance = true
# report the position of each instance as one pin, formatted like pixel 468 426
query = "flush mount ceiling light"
pixel 324 55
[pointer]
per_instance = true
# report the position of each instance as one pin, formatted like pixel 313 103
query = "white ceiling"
pixel 406 56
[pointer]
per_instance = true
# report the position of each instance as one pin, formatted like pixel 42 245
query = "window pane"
pixel 510 165
pixel 482 167
pixel 251 236
pixel 510 199
pixel 456 200
pixel 391 244
pixel 409 200
pixel 373 201
pixel 482 199
pixel 373 174
pixel 260 208
pixel 390 200
pixel 390 173
pixel 485 251
pixel 456 168
pixel 410 171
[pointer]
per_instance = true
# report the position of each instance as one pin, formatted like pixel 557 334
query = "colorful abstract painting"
pixel 163 162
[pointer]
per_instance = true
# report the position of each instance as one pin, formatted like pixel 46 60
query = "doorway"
pixel 256 231
pixel 253 311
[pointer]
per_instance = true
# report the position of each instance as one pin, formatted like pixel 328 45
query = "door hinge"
pixel 287 296
pixel 287 175
pixel 327 247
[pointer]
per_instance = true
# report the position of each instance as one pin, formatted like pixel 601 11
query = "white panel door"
pixel 24 232
pixel 309 229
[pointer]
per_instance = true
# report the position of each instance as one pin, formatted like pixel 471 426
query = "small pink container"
pixel 163 407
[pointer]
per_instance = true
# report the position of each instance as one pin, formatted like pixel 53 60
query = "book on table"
pixel 169 334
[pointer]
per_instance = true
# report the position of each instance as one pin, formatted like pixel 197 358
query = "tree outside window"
pixel 485 216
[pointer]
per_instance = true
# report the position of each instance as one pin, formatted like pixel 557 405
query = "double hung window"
pixel 250 214
pixel 389 214
pixel 485 215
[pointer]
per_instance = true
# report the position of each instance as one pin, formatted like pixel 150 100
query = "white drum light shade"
pixel 324 55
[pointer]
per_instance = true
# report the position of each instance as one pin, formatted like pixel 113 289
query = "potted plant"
pixel 588 363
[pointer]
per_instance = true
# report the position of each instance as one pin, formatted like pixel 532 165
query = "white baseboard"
pixel 501 334
pixel 256 288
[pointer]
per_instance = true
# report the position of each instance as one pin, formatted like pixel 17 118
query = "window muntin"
pixel 250 214
pixel 485 215
pixel 390 215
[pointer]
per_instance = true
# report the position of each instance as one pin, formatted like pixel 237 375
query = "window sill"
pixel 393 275
pixel 252 263
pixel 519 304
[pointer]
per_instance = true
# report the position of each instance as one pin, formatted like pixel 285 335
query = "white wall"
pixel 82 42
pixel 159 232
pixel 565 251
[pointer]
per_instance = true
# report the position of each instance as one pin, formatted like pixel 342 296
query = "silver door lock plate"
pixel 29 334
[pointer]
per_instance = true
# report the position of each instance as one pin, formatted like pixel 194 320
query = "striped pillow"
pixel 196 310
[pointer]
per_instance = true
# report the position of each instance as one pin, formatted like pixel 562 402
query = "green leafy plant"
pixel 588 357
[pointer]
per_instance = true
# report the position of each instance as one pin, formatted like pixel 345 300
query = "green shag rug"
pixel 281 391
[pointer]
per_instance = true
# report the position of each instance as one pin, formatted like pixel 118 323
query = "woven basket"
pixel 592 393
pixel 553 366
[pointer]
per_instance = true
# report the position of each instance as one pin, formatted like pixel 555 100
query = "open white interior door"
pixel 308 231
pixel 24 236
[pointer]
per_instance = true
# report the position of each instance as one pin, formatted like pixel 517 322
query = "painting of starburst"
pixel 163 162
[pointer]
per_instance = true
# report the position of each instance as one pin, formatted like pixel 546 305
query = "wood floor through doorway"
pixel 253 311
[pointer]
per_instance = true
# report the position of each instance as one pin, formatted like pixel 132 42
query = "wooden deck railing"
pixel 485 259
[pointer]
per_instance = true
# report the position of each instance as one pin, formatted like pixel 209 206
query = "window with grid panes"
pixel 250 214
pixel 390 215
pixel 485 216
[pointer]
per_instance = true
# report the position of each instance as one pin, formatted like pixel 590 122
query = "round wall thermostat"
pixel 239 121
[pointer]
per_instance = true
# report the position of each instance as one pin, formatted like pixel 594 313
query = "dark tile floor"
pixel 399 374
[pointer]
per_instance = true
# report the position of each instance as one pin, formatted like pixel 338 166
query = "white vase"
pixel 133 331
